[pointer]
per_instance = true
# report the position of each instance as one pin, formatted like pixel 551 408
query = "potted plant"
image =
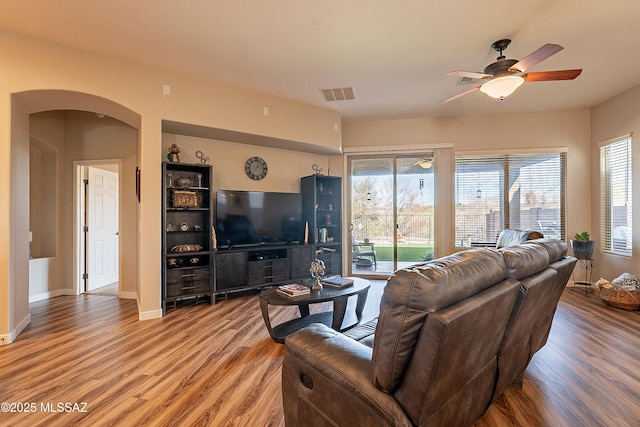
pixel 582 245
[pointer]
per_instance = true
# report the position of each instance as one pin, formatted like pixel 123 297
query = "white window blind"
pixel 615 196
pixel 519 191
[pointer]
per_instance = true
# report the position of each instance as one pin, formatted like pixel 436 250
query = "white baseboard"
pixel 9 338
pixel 148 315
pixel 128 295
pixel 46 295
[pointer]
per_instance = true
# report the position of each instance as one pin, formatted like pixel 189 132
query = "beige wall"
pixel 78 136
pixel 14 224
pixel 35 198
pixel 38 76
pixel 568 130
pixel 617 117
pixel 46 209
pixel 285 167
pixel 88 138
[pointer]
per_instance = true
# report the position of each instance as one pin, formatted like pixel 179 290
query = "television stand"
pixel 254 267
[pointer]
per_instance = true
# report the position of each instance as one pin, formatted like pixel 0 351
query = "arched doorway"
pixel 23 105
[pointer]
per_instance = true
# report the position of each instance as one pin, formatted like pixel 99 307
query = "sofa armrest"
pixel 326 380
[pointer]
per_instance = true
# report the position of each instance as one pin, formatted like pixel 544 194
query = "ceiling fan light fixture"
pixel 501 87
pixel 426 163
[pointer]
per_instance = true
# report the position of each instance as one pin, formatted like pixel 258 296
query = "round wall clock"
pixel 256 168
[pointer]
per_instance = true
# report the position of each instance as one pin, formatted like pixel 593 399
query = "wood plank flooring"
pixel 216 366
pixel 588 373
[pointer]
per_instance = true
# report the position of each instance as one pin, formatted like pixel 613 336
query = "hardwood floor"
pixel 109 290
pixel 588 373
pixel 217 366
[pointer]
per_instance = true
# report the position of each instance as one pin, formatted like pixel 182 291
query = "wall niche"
pixel 43 204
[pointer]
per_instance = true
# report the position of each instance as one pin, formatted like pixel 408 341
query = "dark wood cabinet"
pixel 301 258
pixel 322 212
pixel 187 255
pixel 266 272
pixel 242 269
pixel 188 281
pixel 231 270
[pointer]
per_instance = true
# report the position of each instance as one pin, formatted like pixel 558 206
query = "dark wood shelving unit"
pixel 322 211
pixel 187 215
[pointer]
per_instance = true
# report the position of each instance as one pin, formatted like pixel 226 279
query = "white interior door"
pixel 102 226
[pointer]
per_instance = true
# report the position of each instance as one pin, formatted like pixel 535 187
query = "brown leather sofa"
pixel 452 334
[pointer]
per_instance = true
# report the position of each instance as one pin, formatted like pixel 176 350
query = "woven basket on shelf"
pixel 629 300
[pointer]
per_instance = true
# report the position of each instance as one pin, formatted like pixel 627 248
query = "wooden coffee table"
pixel 337 319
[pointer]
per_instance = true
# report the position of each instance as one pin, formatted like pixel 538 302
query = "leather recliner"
pixel 452 334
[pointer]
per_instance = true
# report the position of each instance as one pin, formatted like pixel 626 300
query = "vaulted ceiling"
pixel 394 54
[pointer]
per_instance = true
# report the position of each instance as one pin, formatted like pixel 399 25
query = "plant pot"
pixel 583 249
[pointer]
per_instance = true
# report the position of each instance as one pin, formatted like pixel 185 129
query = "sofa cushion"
pixel 530 320
pixel 515 237
pixel 452 380
pixel 557 249
pixel 524 260
pixel 412 293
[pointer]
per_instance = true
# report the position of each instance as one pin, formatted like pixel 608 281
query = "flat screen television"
pixel 257 218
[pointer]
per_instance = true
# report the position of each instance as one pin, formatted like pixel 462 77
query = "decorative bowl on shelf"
pixel 185 181
pixel 186 248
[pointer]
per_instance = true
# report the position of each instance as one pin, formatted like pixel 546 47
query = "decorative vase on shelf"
pixel 317 271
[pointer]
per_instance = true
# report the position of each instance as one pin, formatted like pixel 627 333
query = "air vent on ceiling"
pixel 338 94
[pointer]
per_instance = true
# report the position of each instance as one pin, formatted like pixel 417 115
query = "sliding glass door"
pixel 372 215
pixel 391 202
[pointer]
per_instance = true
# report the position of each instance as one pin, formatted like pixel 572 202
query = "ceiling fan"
pixel 504 76
pixel 424 163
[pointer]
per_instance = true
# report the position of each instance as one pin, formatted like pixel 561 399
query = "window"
pixel 615 195
pixel 520 191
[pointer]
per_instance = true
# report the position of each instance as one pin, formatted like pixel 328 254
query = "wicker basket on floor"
pixel 629 300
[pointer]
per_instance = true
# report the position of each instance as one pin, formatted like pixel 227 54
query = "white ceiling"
pixel 393 53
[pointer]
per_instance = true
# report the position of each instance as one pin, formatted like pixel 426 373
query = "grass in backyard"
pixel 406 252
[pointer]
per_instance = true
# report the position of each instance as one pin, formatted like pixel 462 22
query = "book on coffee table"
pixel 294 290
pixel 338 282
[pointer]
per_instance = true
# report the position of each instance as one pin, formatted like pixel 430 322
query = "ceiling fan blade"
pixel 536 57
pixel 469 74
pixel 466 92
pixel 547 76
